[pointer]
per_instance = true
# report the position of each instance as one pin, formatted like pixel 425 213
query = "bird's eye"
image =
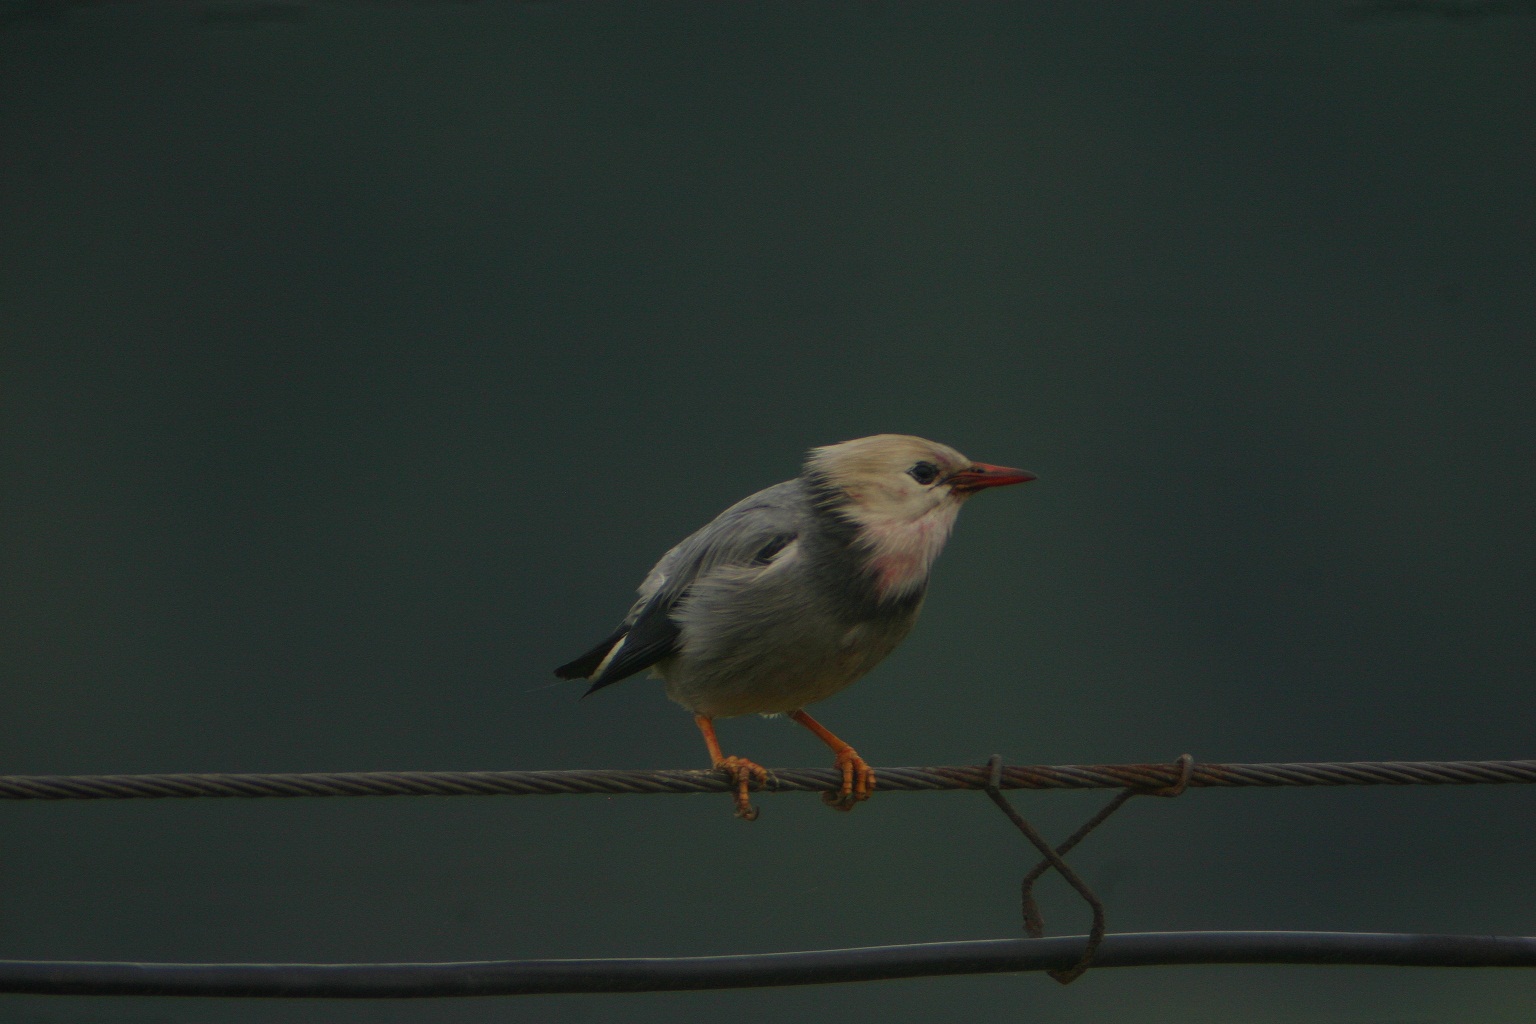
pixel 924 473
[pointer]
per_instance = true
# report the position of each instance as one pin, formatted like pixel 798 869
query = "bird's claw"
pixel 742 774
pixel 858 781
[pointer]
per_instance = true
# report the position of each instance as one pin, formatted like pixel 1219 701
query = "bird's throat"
pixel 901 554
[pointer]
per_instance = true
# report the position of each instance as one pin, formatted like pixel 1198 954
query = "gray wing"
pixel 749 533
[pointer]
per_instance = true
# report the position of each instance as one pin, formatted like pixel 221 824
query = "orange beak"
pixel 981 476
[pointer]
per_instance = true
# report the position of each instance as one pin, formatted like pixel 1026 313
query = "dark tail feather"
pixel 585 665
pixel 598 686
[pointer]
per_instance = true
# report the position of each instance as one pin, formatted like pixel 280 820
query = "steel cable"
pixel 817 780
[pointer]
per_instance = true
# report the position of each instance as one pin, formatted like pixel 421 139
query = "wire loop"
pixel 1034 921
pixel 1186 768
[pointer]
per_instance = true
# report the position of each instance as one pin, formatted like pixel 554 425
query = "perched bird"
pixel 790 595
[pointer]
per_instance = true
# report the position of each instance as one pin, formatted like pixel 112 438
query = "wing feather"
pixel 749 534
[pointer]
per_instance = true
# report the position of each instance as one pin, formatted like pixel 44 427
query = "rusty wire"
pixel 1141 777
pixel 1034 921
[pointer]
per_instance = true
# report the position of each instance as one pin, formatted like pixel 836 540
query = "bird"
pixel 795 592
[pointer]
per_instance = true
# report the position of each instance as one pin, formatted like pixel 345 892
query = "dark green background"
pixel 358 360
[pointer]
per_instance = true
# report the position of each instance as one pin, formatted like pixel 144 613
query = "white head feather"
pixel 878 484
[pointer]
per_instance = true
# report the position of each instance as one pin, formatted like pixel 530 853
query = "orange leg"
pixel 858 776
pixel 741 771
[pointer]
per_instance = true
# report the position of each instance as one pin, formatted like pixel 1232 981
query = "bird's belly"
pixel 764 682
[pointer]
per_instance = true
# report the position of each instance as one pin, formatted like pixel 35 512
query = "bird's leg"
pixel 741 771
pixel 858 776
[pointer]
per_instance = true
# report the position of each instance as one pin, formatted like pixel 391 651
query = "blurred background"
pixel 359 358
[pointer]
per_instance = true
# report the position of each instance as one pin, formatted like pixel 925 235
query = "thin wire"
pixel 871 963
pixel 1034 923
pixel 805 780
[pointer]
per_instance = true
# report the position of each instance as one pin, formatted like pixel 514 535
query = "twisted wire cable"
pixel 816 780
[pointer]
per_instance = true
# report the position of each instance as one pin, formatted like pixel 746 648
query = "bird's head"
pixel 896 478
pixel 903 494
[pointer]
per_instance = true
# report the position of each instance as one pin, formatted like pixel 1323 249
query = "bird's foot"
pixel 742 774
pixel 858 781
